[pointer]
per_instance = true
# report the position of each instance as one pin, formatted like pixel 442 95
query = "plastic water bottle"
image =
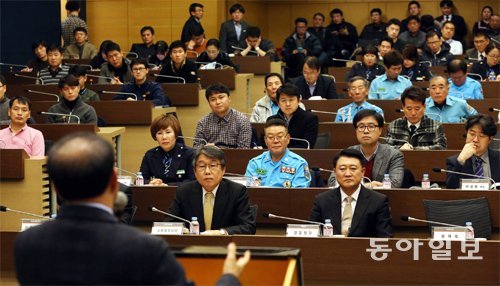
pixel 328 228
pixel 386 183
pixel 470 231
pixel 491 76
pixel 139 179
pixel 426 183
pixel 195 226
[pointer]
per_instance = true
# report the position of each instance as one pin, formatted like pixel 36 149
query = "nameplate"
pixel 126 180
pixel 449 233
pixel 167 228
pixel 475 184
pixel 27 223
pixel 303 230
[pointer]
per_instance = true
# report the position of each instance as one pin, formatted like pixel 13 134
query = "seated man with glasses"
pixel 278 167
pixel 477 157
pixel 220 205
pixel 143 88
pixel 379 158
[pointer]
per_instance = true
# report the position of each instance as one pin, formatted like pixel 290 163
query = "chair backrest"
pixel 322 141
pixel 459 212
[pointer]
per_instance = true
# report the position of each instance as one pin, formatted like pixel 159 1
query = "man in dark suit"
pixel 147 49
pixel 220 205
pixel 460 26
pixel 313 83
pixel 233 32
pixel 354 210
pixel 193 23
pixel 476 157
pixel 86 244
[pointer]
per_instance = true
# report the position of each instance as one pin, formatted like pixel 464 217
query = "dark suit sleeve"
pixel 384 220
pixel 245 224
pixel 331 92
pixel 223 37
pixel 453 180
pixel 316 212
pixel 146 168
pixel 311 133
pixel 164 267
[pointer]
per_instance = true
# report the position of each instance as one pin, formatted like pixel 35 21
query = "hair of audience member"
pixel 236 7
pixel 487 7
pixel 386 39
pixel 78 70
pixel 112 47
pixel 414 17
pixel 349 153
pixel 367 113
pixel 319 14
pixel 300 20
pixel 436 77
pixel 415 93
pixel 336 11
pixel 271 75
pixel 214 42
pixel 146 28
pixel 366 83
pixel 447 3
pixel 376 10
pixel 312 62
pixel 456 65
pixel 410 52
pixel 38 43
pixel 90 177
pixel 80 29
pixel 486 122
pixel 481 33
pixel 394 21
pixel 490 47
pixel 103 46
pixel 427 21
pixel 69 80
pixel 212 152
pixel 3 81
pixel 20 99
pixel 270 122
pixel 431 34
pixel 177 44
pixel 72 5
pixel 288 89
pixel 253 32
pixel 369 49
pixel 163 122
pixel 393 58
pixel 53 48
pixel 161 47
pixel 139 61
pixel 216 88
pixel 193 6
pixel 413 3
pixel 447 23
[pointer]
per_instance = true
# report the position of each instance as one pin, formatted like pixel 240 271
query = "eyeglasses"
pixel 138 69
pixel 278 137
pixel 362 127
pixel 203 167
pixel 478 135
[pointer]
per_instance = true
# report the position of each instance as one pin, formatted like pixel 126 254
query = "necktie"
pixel 167 160
pixel 347 216
pixel 208 210
pixel 479 171
pixel 412 130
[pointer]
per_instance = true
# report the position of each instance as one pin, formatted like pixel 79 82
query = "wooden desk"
pixel 255 65
pixel 224 76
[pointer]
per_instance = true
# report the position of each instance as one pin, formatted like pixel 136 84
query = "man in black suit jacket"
pixel 147 49
pixel 228 36
pixel 230 208
pixel 459 22
pixel 367 215
pixel 193 23
pixel 86 244
pixel 476 157
pixel 313 83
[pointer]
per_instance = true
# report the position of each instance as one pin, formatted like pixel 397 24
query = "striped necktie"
pixel 478 170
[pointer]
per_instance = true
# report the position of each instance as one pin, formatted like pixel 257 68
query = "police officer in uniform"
pixel 413 69
pixel 278 167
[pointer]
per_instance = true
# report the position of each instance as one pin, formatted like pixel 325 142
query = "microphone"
pixel 30 77
pixel 241 49
pixel 5 209
pixel 83 65
pixel 397 140
pixel 125 171
pixel 170 76
pixel 492 109
pixel 342 60
pixel 439 170
pixel 322 170
pixel 303 140
pixel 40 92
pixel 324 112
pixel 410 219
pixel 100 76
pixel 153 209
pixel 13 65
pixel 120 203
pixel 131 53
pixel 270 215
pixel 61 114
pixel 476 74
pixel 206 63
pixel 119 92
pixel 152 65
pixel 194 139
pixel 429 63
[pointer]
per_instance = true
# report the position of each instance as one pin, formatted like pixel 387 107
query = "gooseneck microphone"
pixel 492 109
pixel 410 219
pixel 121 92
pixel 394 139
pixel 153 209
pixel 270 215
pixel 439 170
pixel 6 209
pixel 303 140
pixel 171 76
pixel 40 92
pixel 61 114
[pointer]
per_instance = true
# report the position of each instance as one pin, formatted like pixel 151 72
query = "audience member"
pixel 391 84
pixel 147 49
pixel 461 85
pixel 220 205
pixel 436 52
pixel 55 69
pixel 233 32
pixel 413 35
pixel 117 68
pixel 379 159
pixel 4 101
pixel 100 58
pixel 81 48
pixel 341 37
pixel 18 135
pixel 178 66
pixel 372 33
pixel 448 15
pixel 488 69
pixel 193 22
pixel 354 210
pixel 495 29
pixel 477 157
pixel 279 167
pixel 427 24
pixel 393 29
pixel 312 83
pixel 444 108
pixel 256 46
pixel 171 162
pixel 213 53
pixel 224 126
pixel 302 125
pixel 72 107
pixel 368 68
pixel 40 61
pixel 80 73
pixel 358 91
pixel 69 24
pixel 413 10
pixel 413 69
pixel 198 43
pixel 318 28
pixel 415 131
pixel 160 58
pixel 110 250
pixel 384 47
pixel 484 22
pixel 298 46
pixel 142 87
pixel 476 54
pixel 447 33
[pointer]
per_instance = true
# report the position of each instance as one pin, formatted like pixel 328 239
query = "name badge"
pixel 167 228
pixel 27 223
pixel 475 184
pixel 181 172
pixel 126 180
pixel 303 230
